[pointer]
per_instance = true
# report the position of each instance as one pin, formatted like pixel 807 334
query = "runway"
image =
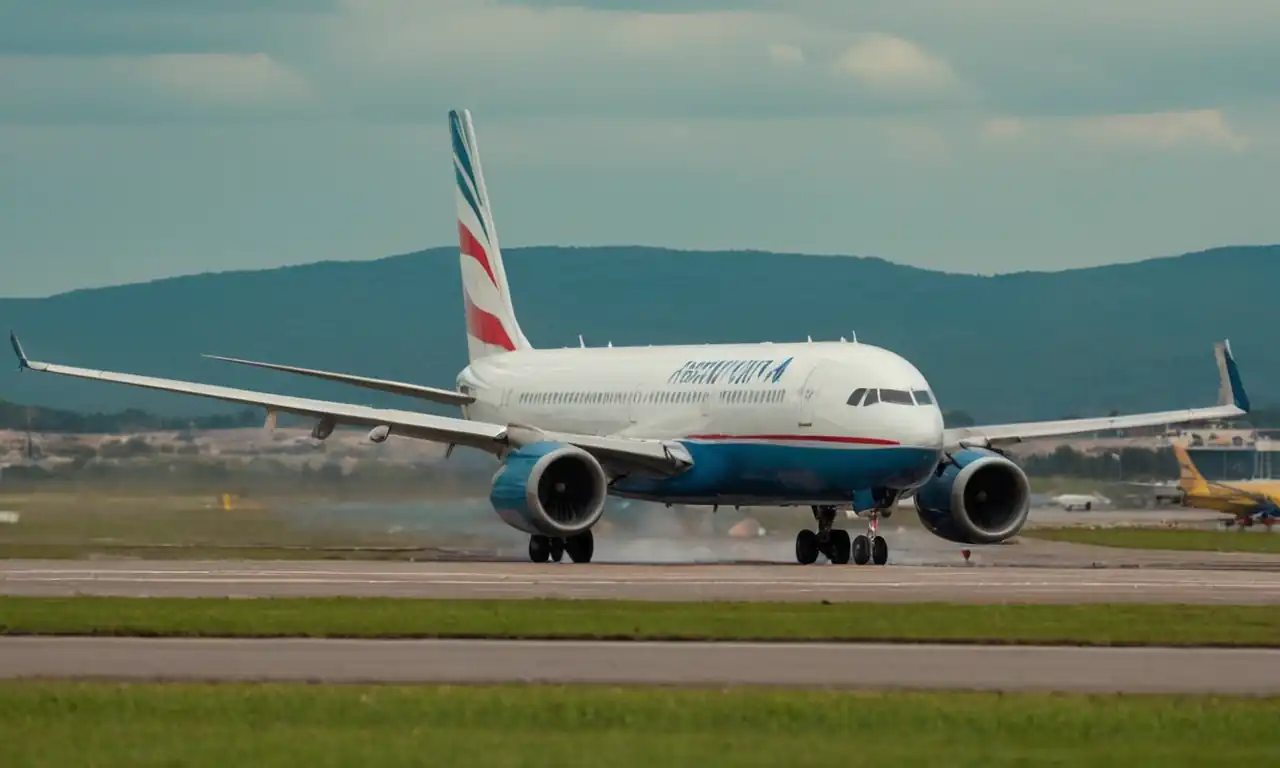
pixel 1103 670
pixel 846 583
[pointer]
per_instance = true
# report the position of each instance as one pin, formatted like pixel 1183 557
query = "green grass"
pixel 161 526
pixel 1260 542
pixel 1118 624
pixel 80 724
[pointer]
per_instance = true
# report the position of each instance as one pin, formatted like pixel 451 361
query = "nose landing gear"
pixel 871 546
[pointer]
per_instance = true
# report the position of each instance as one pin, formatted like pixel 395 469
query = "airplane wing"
pixel 1232 403
pixel 395 387
pixel 619 453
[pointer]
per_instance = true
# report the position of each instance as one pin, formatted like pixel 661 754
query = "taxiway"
pixel 1105 670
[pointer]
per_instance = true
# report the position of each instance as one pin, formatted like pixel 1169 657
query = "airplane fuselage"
pixel 765 423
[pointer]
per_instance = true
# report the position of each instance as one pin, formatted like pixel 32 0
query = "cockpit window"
pixel 896 396
pixel 922 397
pixel 856 397
pixel 873 397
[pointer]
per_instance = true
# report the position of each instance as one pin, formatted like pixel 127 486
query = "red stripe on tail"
pixel 472 247
pixel 486 327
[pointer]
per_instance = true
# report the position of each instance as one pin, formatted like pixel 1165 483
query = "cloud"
pixel 405 60
pixel 1154 131
pixel 148 87
pixel 889 63
pixel 224 77
pixel 785 54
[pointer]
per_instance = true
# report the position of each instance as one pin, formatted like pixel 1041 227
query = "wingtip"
pixel 1233 384
pixel 23 362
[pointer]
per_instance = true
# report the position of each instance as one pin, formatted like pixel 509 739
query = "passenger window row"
pixel 654 397
pixel 892 396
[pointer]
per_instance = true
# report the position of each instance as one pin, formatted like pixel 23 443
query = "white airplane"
pixel 1084 501
pixel 829 425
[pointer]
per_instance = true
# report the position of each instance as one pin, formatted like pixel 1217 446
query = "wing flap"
pixel 383 385
pixel 1233 402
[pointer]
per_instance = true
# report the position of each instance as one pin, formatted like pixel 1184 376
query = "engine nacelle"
pixel 982 498
pixel 550 488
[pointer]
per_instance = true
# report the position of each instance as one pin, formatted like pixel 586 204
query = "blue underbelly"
pixel 778 471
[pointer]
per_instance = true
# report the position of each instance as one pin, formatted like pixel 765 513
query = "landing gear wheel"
pixel 879 550
pixel 839 546
pixel 581 547
pixel 806 547
pixel 861 549
pixel 557 549
pixel 539 548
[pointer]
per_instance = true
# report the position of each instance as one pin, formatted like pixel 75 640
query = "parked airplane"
pixel 1247 501
pixel 1084 501
pixel 828 425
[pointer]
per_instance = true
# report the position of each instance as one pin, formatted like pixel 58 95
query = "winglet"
pixel 1232 387
pixel 23 362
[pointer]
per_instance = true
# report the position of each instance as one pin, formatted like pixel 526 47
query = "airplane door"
pixel 805 396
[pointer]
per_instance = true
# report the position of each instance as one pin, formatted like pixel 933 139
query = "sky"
pixel 141 139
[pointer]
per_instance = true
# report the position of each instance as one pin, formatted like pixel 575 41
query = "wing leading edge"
pixel 1233 402
pixel 624 454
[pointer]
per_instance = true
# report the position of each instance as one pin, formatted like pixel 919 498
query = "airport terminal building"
pixel 1234 454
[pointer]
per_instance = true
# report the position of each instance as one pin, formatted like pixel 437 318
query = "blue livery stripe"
pixel 471 201
pixel 460 148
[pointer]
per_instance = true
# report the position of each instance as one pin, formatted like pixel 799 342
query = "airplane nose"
pixel 925 429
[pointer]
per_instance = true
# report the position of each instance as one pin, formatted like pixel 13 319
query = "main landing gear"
pixel 835 542
pixel 579 548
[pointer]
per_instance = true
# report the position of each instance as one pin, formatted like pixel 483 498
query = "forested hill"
pixel 1015 346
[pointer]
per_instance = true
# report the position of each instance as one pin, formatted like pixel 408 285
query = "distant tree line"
pixel 20 417
pixel 1132 464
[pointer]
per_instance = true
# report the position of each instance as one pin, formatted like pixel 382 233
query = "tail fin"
pixel 491 319
pixel 1189 478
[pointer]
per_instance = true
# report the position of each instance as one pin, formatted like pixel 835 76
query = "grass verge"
pixel 1089 624
pixel 57 723
pixel 1260 542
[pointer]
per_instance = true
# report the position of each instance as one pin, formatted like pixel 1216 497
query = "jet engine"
pixel 549 488
pixel 980 498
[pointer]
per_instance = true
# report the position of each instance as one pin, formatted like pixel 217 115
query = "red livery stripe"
pixel 486 327
pixel 472 247
pixel 801 439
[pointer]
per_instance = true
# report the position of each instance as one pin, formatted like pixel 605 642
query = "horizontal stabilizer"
pixel 383 385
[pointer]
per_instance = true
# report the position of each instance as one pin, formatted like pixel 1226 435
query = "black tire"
pixel 806 547
pixel 581 547
pixel 539 548
pixel 557 550
pixel 861 549
pixel 840 546
pixel 879 550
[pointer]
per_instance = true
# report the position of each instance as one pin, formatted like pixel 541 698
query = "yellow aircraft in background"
pixel 1247 501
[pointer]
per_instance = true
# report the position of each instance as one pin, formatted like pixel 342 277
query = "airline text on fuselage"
pixel 729 372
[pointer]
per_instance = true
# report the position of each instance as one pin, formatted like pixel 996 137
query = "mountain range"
pixel 1026 345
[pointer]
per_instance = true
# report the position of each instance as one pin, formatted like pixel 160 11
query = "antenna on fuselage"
pixel 855 336
pixel 581 343
pixel 810 339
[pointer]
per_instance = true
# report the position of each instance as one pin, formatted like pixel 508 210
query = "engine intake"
pixel 982 498
pixel 549 488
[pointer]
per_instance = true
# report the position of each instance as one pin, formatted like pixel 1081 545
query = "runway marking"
pixel 719 582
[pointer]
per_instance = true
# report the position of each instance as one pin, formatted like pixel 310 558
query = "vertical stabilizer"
pixel 491 318
pixel 1189 478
